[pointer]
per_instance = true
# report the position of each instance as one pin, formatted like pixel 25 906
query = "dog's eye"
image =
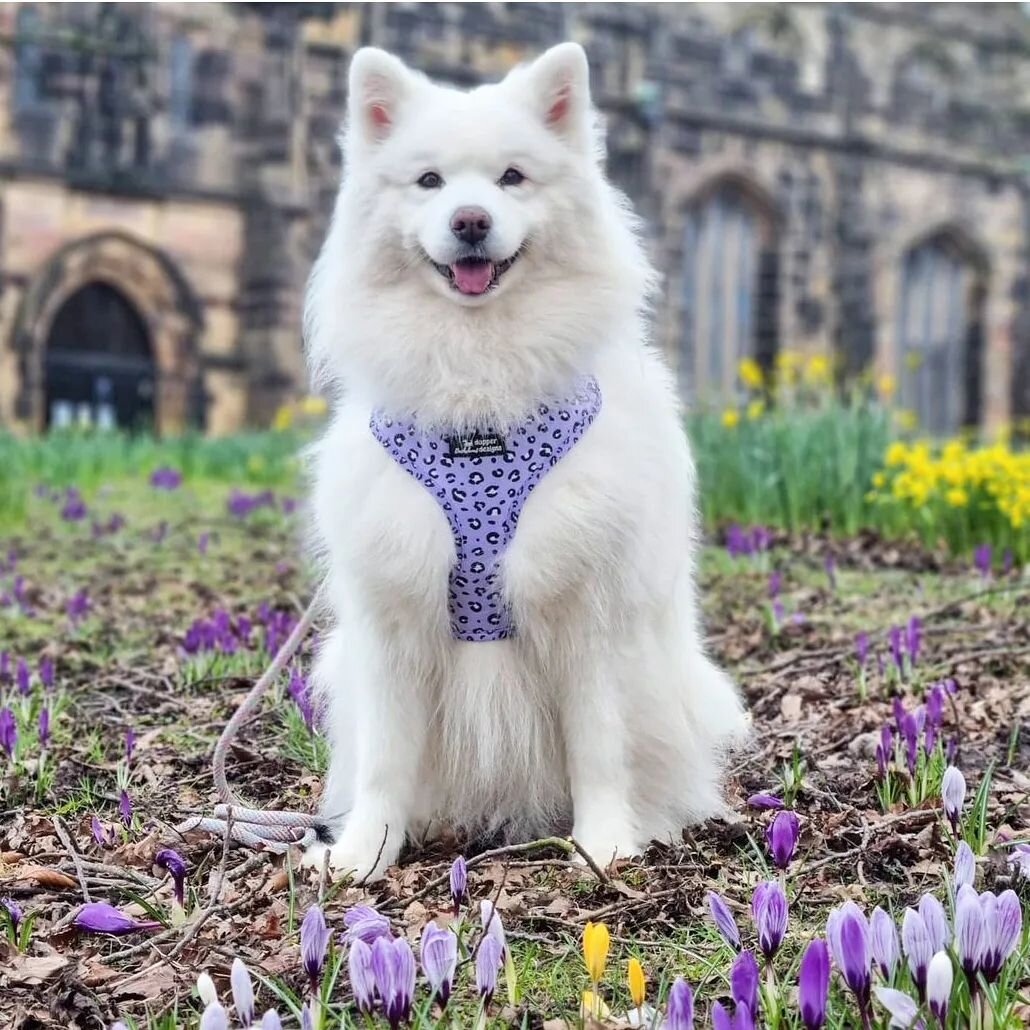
pixel 430 181
pixel 511 177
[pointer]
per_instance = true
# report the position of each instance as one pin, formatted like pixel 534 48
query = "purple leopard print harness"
pixel 481 481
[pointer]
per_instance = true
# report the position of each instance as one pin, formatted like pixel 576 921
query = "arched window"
pixel 941 334
pixel 99 365
pixel 729 289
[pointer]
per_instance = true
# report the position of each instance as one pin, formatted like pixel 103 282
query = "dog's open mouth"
pixel 474 276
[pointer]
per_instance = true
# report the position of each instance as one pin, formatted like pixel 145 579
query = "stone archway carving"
pixel 151 282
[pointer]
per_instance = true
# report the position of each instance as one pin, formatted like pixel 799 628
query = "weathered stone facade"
pixel 839 178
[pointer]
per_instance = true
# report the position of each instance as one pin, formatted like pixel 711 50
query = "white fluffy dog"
pixel 479 269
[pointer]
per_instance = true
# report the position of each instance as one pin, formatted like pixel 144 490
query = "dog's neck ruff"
pixel 481 480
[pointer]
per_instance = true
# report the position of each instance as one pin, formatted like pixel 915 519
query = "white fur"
pixel 603 710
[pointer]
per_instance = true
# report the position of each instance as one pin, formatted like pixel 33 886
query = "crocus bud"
pixel 915 939
pixel 362 978
pixel 939 976
pixel 814 984
pixel 970 932
pixel 902 1008
pixel 100 917
pixel 173 862
pixel 744 981
pixel 214 1017
pixel 242 991
pixel 44 727
pixel 723 919
pixel 488 959
pixel 848 933
pixel 679 1011
pixel 439 954
pixel 459 882
pixel 8 731
pixel 781 837
pixel 492 924
pixel 884 751
pixel 953 794
pixel 206 989
pixel 764 800
pixel 364 923
pixel 883 939
pixel 1006 930
pixel 393 965
pixel 314 940
pixel 636 981
pixel 271 1021
pixel 965 865
pixel 769 912
pixel 936 922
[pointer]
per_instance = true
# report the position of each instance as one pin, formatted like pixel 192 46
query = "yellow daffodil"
pixel 595 949
pixel 957 497
pixel 817 370
pixel 879 479
pixel 885 387
pixel 755 409
pixel 637 983
pixel 730 418
pixel 750 373
pixel 283 418
pixel 313 406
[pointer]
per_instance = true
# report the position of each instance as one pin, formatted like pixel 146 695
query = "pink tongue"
pixel 472 276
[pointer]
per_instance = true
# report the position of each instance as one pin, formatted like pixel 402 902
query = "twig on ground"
pixel 67 842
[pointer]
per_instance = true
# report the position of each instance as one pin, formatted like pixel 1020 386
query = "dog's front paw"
pixel 606 844
pixel 362 852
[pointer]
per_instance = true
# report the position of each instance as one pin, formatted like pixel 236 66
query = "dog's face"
pixel 470 195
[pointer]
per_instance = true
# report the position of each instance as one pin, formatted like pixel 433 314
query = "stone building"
pixel 843 178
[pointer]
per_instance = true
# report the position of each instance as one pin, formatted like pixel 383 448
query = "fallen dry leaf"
pixel 32 969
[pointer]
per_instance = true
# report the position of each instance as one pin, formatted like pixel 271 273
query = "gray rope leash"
pixel 266 829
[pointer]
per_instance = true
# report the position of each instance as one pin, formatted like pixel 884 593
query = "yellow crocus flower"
pixel 755 409
pixel 637 983
pixel 595 949
pixel 592 1006
pixel 730 418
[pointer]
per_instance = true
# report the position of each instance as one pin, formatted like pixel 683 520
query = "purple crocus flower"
pixel 100 917
pixel 679 1010
pixel 913 637
pixel 769 912
pixel 720 1017
pixel 165 478
pixel 1006 925
pixel 953 794
pixel 125 806
pixel 393 965
pixel 77 606
pixel 744 976
pixel 847 931
pixel 130 743
pixel 14 912
pixel 904 1011
pixel 936 922
pixel 723 919
pixel 5 666
pixel 781 837
pixel 490 919
pixel 738 542
pixel 297 688
pixel 982 559
pixel 214 1017
pixel 910 735
pixel 314 940
pixel 459 882
pixel 779 612
pixel 775 583
pixel 814 984
pixel 101 834
pixel 862 647
pixel 439 954
pixel 939 978
pixel 918 946
pixel 202 542
pixel 242 991
pixel 965 865
pixel 271 1021
pixel 362 978
pixel 1019 859
pixel 897 654
pixel 46 672
pixel 74 508
pixel 884 751
pixel 366 924
pixel 44 727
pixel 488 960
pixel 764 800
pixel 173 862
pixel 8 731
pixel 761 538
pixel 21 676
pixel 883 939
pixel 971 933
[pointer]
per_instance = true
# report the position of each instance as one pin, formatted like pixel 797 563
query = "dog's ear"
pixel 378 86
pixel 560 83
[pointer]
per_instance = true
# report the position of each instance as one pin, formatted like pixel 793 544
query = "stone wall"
pixel 205 133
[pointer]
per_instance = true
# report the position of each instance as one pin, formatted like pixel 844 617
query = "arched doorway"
pixel 730 287
pixel 99 366
pixel 943 283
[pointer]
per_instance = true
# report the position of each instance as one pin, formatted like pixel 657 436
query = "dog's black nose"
pixel 470 224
